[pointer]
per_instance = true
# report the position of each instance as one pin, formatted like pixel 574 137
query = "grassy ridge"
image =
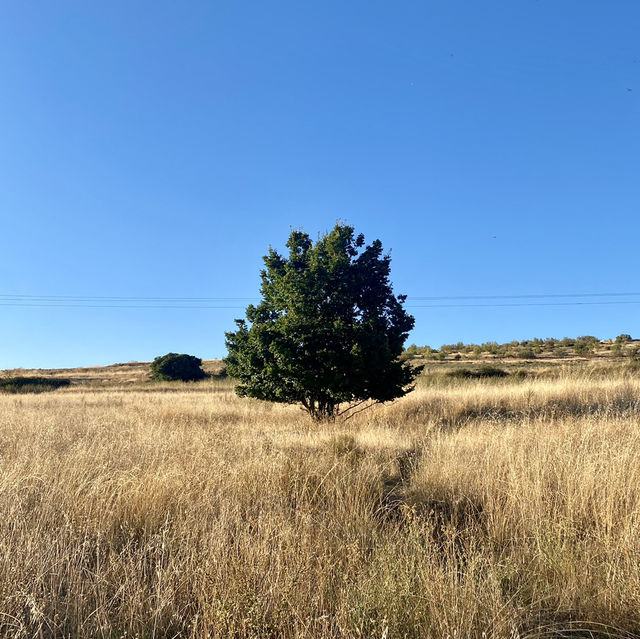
pixel 472 508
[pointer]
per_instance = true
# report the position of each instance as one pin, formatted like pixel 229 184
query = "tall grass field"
pixel 472 508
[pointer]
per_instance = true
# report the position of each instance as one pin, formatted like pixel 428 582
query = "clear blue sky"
pixel 156 149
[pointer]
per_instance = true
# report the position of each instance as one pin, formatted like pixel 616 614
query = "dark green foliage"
pixel 32 384
pixel 526 353
pixel 177 367
pixel 328 331
pixel 477 373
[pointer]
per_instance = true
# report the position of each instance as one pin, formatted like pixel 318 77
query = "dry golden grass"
pixel 471 509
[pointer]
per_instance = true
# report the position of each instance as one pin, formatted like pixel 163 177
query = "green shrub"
pixel 177 367
pixel 477 373
pixel 32 384
pixel 582 348
pixel 409 353
pixel 490 347
pixel 526 353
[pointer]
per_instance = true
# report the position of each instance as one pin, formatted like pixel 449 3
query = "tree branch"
pixel 362 410
pixel 350 407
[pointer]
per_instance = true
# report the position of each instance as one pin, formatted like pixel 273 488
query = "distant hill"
pixel 124 373
pixel 538 351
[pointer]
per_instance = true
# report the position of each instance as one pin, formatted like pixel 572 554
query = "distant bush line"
pixel 32 384
pixel 585 345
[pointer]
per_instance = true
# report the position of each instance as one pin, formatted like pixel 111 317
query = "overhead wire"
pixel 227 303
pixel 136 298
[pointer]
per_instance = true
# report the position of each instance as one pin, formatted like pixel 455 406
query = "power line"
pixel 512 297
pixel 80 305
pixel 218 307
pixel 188 300
pixel 524 304
pixel 89 298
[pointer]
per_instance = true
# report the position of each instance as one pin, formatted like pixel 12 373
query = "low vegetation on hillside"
pixel 478 506
pixel 549 348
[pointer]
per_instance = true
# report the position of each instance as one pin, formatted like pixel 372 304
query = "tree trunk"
pixel 319 410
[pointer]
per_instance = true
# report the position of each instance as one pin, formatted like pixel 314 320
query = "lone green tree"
pixel 328 332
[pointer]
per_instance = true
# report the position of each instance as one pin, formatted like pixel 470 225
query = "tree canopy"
pixel 177 367
pixel 328 331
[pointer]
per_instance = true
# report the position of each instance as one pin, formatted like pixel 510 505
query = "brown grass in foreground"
pixel 474 509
